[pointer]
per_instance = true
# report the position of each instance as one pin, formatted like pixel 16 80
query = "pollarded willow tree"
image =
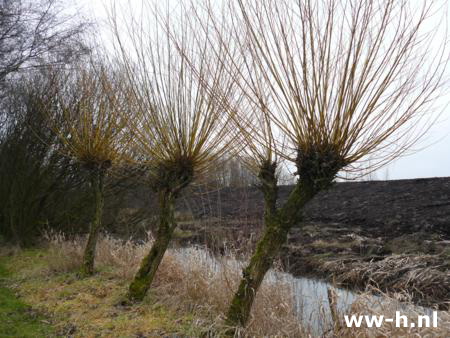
pixel 338 82
pixel 91 104
pixel 181 130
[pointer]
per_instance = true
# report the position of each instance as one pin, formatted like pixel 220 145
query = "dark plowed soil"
pixel 378 207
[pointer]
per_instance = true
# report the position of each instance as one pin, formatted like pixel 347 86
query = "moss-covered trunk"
pixel 97 178
pixel 277 225
pixel 149 266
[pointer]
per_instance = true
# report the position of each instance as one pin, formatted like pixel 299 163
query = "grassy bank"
pixel 18 319
pixel 76 307
pixel 187 300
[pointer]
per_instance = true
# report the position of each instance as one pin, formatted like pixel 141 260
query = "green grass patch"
pixel 83 307
pixel 17 319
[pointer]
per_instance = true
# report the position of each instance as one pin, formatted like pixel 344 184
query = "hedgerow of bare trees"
pixel 33 36
pixel 39 187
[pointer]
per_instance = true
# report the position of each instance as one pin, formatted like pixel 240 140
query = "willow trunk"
pixel 146 273
pixel 97 178
pixel 277 225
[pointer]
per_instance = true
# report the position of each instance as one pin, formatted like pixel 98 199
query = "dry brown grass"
pixel 191 292
pixel 323 244
pixel 387 307
pixel 208 290
pixel 187 282
pixel 426 277
pixel 122 257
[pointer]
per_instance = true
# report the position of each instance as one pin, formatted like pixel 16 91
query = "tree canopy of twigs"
pixel 37 33
pixel 357 77
pixel 180 129
pixel 91 106
pixel 332 84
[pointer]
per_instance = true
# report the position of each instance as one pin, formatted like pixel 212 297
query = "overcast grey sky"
pixel 432 161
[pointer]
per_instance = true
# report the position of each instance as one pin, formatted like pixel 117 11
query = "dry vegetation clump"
pixel 386 306
pixel 189 281
pixel 121 257
pixel 194 281
pixel 73 252
pixel 426 277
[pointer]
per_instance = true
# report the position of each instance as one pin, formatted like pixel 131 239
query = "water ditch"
pixel 310 295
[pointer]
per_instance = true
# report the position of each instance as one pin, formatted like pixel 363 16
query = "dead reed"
pixel 385 306
pixel 426 277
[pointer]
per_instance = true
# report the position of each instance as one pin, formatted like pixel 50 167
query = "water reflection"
pixel 310 295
